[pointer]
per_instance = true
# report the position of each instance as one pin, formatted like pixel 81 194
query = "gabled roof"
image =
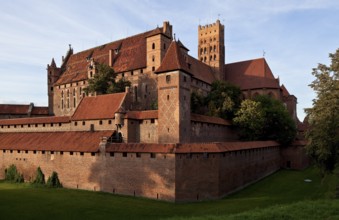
pixel 129 54
pixel 251 74
pixel 79 141
pixel 176 60
pixel 99 107
pixel 284 90
pixel 173 60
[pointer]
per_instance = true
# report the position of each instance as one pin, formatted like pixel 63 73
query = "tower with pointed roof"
pixel 174 95
pixel 211 47
pixel 53 73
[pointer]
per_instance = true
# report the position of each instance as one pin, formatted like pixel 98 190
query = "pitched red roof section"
pixel 173 60
pixel 209 119
pixel 78 141
pixel 35 120
pixel 151 114
pixel 99 107
pixel 39 110
pixel 284 90
pixel 190 148
pixel 251 74
pixel 14 109
pixel 128 54
pixel 176 60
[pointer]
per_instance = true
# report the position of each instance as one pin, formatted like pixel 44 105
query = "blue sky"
pixel 295 35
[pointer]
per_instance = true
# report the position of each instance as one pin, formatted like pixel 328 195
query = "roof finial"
pixel 263 53
pixel 174 37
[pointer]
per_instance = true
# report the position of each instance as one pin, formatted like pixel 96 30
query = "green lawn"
pixel 280 196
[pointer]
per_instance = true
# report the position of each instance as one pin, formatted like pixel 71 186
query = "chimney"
pixel 167 28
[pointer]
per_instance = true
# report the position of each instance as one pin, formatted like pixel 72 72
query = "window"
pixel 168 97
pixel 164 46
pixel 168 78
pixel 43 125
pixel 93 154
pixel 51 124
pixel 153 58
pixel 62 104
pixel 18 151
pixel 34 152
pixel 52 152
pixel 26 151
pixel 141 71
pixel 74 102
pixel 52 89
pixel 71 153
pixel 43 152
pixel 153 46
pixel 124 154
pixel 81 153
pixel 11 151
pixel 111 154
pixel 152 121
pixel 152 155
pixel 60 124
pixel 83 123
pixel 100 122
pixel 75 123
pixel 215 57
pixel 29 125
pixel 138 155
pixel 153 68
pixel 109 122
pixel 132 73
pixel 36 125
pixel 215 48
pixel 61 153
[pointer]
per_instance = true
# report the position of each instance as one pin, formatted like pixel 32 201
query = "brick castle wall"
pixel 165 176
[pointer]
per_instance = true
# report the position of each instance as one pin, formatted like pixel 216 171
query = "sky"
pixel 293 35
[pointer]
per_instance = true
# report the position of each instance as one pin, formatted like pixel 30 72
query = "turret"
pixel 53 74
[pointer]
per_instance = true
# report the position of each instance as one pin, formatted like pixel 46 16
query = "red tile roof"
pixel 151 114
pixel 79 141
pixel 99 107
pixel 190 148
pixel 176 60
pixel 209 119
pixel 173 60
pixel 14 109
pixel 35 120
pixel 251 74
pixel 284 90
pixel 131 55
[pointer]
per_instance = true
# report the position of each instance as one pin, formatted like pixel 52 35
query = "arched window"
pixel 164 46
pixel 67 93
pixel 215 57
pixel 205 50
pixel 74 102
pixel 210 48
pixel 153 46
pixel 201 50
pixel 62 94
pixel 215 48
pixel 210 58
pixel 153 58
pixel 204 59
pixel 74 92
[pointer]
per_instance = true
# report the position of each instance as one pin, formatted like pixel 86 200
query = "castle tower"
pixel 174 95
pixel 158 42
pixel 211 47
pixel 53 74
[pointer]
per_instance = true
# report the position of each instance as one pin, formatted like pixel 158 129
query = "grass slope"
pixel 265 198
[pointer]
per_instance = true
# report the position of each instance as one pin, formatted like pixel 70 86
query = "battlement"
pixel 217 23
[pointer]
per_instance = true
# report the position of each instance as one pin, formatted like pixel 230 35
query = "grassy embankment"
pixel 283 195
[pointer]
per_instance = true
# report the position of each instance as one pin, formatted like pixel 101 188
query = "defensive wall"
pixel 171 172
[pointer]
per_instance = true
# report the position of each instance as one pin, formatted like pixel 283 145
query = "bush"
pixel 53 181
pixel 39 177
pixel 12 174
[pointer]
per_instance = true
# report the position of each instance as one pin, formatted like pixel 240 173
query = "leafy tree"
pixel 197 103
pixel 53 181
pixel 250 118
pixel 279 124
pixel 265 118
pixel 103 81
pixel 39 177
pixel 223 100
pixel 323 134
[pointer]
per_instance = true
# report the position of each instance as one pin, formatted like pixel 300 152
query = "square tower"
pixel 211 47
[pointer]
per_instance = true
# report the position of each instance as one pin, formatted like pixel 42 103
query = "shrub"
pixel 39 177
pixel 12 174
pixel 53 181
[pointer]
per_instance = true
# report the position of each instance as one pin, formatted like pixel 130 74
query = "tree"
pixel 323 134
pixel 53 181
pixel 39 177
pixel 250 118
pixel 223 100
pixel 104 82
pixel 197 103
pixel 265 118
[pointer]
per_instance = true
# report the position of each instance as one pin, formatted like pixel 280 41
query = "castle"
pixel 119 143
